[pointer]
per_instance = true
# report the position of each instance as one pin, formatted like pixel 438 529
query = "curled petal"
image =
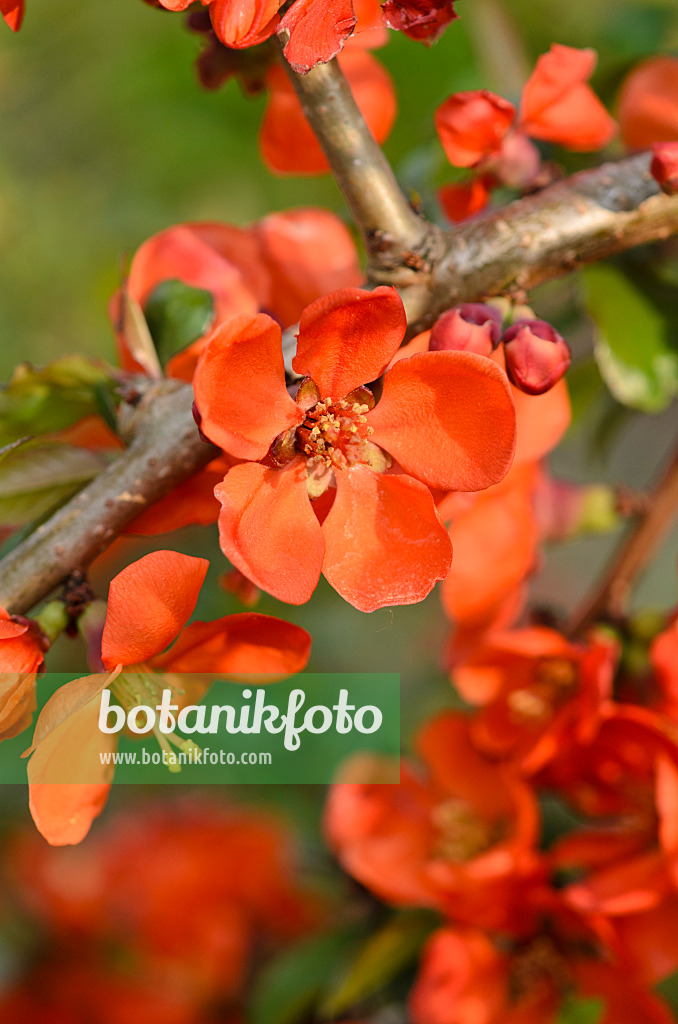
pixel 239 645
pixel 267 529
pixel 471 125
pixel 316 31
pixel 148 603
pixel 349 337
pixel 245 23
pixel 385 544
pixel 240 387
pixel 448 419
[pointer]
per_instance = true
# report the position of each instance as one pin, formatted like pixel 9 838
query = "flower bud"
pixel 470 327
pixel 536 356
pixel 664 166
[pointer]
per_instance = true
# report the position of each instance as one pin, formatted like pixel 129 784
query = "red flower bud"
pixel 536 356
pixel 470 327
pixel 423 20
pixel 664 166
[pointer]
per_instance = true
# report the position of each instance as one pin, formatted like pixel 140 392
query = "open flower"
pixel 321 490
pixel 459 840
pixel 149 602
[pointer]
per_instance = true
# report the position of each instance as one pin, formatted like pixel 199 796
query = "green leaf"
pixel 290 986
pixel 381 958
pixel 41 400
pixel 177 315
pixel 581 1011
pixel 36 476
pixel 635 350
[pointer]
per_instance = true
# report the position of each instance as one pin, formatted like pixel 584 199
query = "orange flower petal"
pixel 308 252
pixel 13 13
pixel 66 746
pixel 448 418
pixel 239 645
pixel 245 23
pixel 240 387
pixel 385 543
pixel 648 103
pixel 465 200
pixel 317 31
pixel 267 529
pixel 557 105
pixel 541 422
pixel 349 337
pixel 148 603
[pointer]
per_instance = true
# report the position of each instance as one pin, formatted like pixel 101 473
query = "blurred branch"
pixel 610 598
pixel 585 218
pixel 166 449
pixel 399 242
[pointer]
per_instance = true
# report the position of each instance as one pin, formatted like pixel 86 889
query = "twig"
pixel 609 601
pixel 166 450
pixel 399 243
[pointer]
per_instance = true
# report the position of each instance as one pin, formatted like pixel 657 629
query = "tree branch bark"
pixel 588 217
pixel 165 451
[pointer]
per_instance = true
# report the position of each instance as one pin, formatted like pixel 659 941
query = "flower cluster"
pixel 140 926
pixel 528 922
pixel 486 133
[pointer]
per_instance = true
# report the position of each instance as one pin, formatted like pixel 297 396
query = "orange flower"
pixel 469 977
pixel 288 144
pixel 460 841
pixel 538 692
pixel 13 13
pixel 648 103
pixel 148 604
pixel 21 657
pixel 381 542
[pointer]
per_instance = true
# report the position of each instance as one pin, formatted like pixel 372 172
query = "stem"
pixel 610 599
pixel 165 451
pixel 399 243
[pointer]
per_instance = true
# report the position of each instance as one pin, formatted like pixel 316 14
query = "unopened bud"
pixel 471 327
pixel 536 356
pixel 664 166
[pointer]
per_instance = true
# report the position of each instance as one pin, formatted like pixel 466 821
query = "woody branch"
pixel 588 217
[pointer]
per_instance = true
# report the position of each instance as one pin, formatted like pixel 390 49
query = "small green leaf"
pixel 289 988
pixel 581 1011
pixel 635 351
pixel 381 958
pixel 36 476
pixel 177 315
pixel 41 400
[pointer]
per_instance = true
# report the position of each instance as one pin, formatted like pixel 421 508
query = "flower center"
pixel 334 433
pixel 553 683
pixel 462 834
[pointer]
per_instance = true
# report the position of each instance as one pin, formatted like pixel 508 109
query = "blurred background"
pixel 107 138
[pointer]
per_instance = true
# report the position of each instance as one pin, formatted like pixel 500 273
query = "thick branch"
pixel 609 601
pixel 588 217
pixel 398 241
pixel 166 450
